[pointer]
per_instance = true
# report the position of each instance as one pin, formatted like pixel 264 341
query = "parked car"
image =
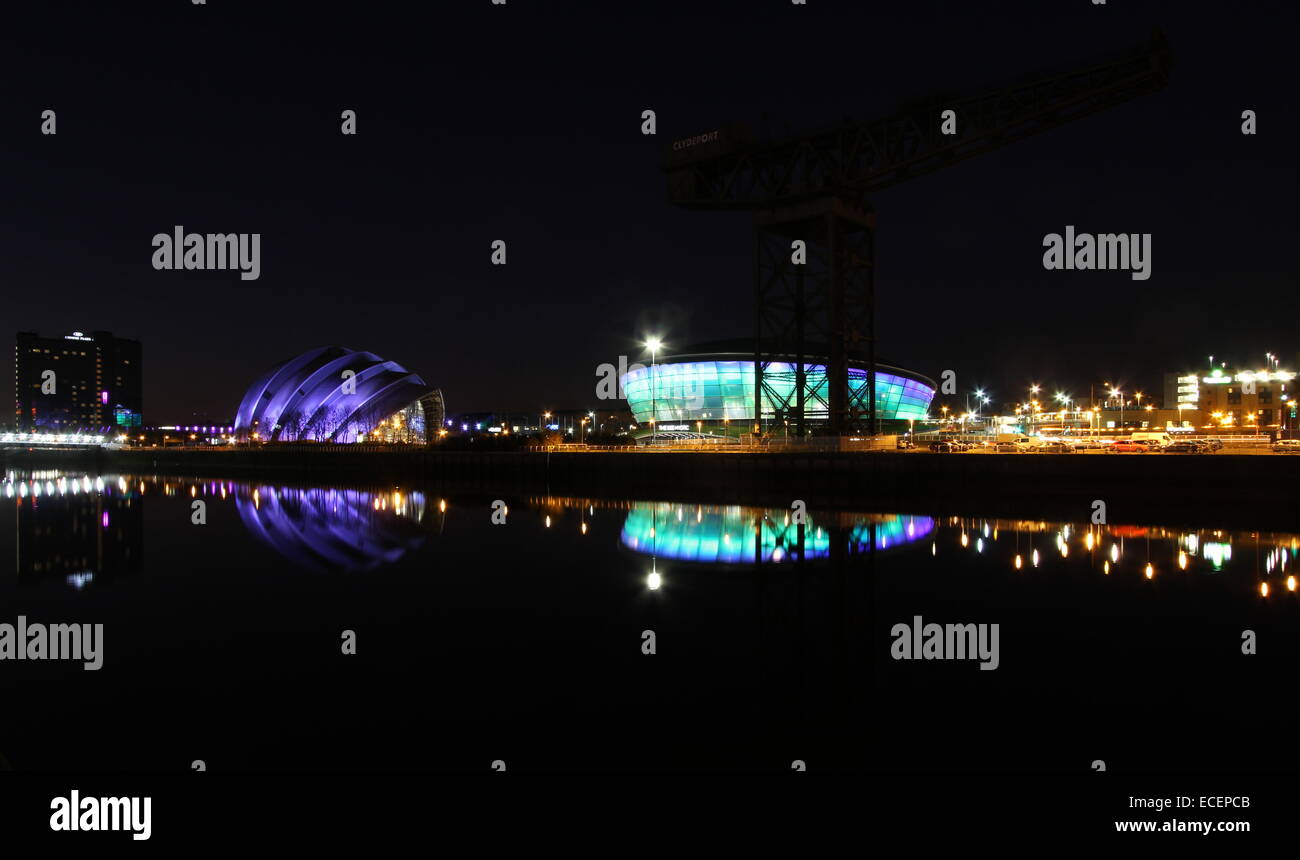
pixel 1214 444
pixel 905 442
pixel 1086 444
pixel 1008 448
pixel 1123 446
pixel 1054 446
pixel 1186 446
pixel 942 447
pixel 1286 446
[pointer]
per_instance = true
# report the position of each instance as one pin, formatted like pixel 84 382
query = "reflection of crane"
pixel 813 188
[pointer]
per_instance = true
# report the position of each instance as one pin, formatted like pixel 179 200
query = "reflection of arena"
pixel 727 535
pixel 330 529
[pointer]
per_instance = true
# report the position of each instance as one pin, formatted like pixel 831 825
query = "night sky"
pixel 480 122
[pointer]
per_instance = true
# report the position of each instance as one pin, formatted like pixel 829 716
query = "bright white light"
pixel 653 581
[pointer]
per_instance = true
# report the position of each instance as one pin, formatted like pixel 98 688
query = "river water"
pixel 525 643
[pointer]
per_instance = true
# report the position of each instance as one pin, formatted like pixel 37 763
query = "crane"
pixel 814 188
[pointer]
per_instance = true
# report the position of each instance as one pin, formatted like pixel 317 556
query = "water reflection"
pixel 1263 560
pixel 68 530
pixel 733 534
pixel 84 530
pixel 333 529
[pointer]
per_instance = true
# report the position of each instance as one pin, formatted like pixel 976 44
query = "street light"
pixel 654 343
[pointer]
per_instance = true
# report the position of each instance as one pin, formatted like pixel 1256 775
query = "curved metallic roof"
pixel 305 397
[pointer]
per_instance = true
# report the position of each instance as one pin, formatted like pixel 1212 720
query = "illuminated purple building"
pixel 336 394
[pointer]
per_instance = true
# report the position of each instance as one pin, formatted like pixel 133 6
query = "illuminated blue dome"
pixel 335 394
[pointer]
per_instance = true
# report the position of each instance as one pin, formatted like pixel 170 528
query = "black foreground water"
pixel 524 642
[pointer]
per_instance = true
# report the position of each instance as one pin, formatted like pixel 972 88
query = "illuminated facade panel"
pixel 713 390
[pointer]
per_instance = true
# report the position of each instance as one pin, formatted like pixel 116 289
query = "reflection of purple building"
pixel 337 394
pixel 328 529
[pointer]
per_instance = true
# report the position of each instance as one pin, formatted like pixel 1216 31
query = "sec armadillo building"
pixel 336 394
pixel 709 385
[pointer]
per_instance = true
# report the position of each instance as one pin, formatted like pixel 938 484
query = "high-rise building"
pixel 77 382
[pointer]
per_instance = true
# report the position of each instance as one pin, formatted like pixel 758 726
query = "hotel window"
pixel 1234 395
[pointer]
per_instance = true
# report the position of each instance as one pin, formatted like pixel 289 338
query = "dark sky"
pixel 478 122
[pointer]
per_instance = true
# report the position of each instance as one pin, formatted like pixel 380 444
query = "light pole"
pixel 654 343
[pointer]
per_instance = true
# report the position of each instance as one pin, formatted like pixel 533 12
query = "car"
pixel 1213 444
pixel 1286 446
pixel 905 442
pixel 1124 446
pixel 1054 446
pixel 1086 444
pixel 1185 446
pixel 942 447
pixel 1008 448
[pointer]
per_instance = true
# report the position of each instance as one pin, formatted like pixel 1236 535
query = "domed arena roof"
pixel 330 393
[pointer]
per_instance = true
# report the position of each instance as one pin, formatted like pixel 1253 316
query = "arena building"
pixel 711 385
pixel 336 394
